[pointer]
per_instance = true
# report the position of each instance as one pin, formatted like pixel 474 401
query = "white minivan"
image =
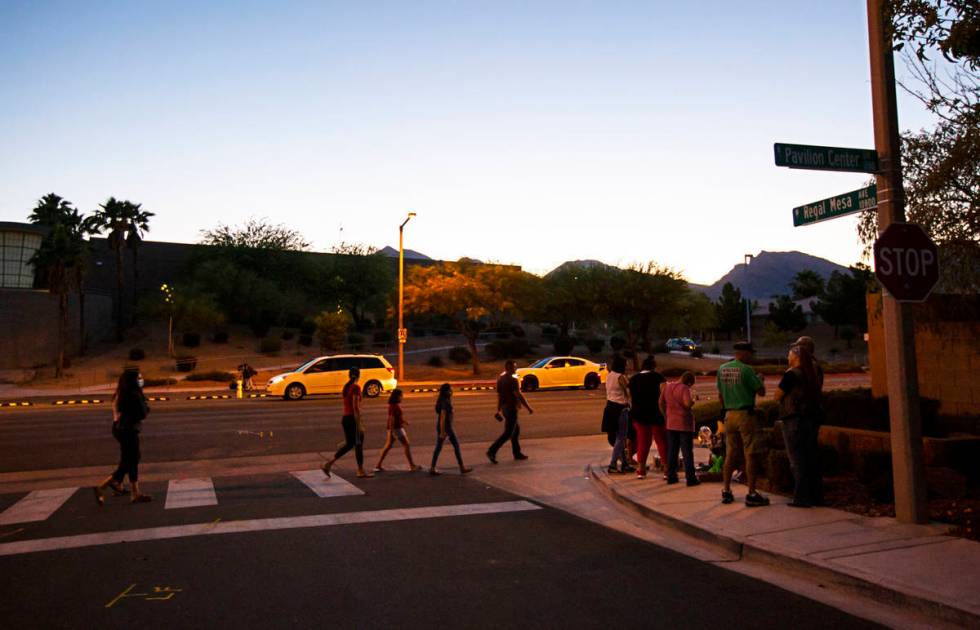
pixel 327 375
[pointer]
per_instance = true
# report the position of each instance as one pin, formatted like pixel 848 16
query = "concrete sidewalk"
pixel 912 566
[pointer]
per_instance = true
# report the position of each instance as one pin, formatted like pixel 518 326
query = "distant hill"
pixel 411 254
pixel 769 274
pixel 576 264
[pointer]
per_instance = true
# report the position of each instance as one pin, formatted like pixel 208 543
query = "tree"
pixel 806 283
pixel 121 219
pixel 844 301
pixel 698 314
pixel 363 280
pixel 786 315
pixel 255 234
pixel 139 224
pixel 331 330
pixel 566 297
pixel 471 296
pixel 61 253
pixel 730 309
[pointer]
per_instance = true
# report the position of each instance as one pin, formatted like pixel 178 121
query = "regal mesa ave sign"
pixel 906 262
pixel 848 203
pixel 817 158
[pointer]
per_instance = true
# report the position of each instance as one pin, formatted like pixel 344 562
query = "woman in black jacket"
pixel 129 409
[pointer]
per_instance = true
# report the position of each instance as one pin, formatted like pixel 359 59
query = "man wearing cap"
pixel 738 385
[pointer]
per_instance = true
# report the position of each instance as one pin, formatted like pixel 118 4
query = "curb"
pixel 419 390
pixel 825 574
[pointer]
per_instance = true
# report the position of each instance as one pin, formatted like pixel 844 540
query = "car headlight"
pixel 277 379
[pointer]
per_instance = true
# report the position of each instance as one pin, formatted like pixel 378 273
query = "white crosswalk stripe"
pixel 323 486
pixel 36 506
pixel 185 493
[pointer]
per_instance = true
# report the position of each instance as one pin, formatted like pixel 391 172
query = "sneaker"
pixel 640 475
pixel 520 456
pixel 465 469
pixel 434 472
pixel 491 457
pixel 693 482
pixel 727 497
pixel 756 500
pixel 672 481
pixel 628 469
pixel 612 470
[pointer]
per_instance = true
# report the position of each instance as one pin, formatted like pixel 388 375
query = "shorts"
pixel 743 422
pixel 400 433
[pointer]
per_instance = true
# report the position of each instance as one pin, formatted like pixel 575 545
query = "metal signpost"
pixel 848 203
pixel 817 158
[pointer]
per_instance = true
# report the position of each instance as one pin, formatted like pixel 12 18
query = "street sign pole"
pixel 908 465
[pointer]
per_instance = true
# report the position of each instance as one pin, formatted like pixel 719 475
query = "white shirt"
pixel 614 391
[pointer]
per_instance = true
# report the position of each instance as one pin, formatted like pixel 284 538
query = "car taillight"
pixel 391 370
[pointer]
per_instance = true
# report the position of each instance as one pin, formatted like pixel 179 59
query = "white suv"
pixel 327 375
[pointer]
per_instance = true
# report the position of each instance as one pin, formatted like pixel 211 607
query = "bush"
pixel 382 336
pixel 260 326
pixel 159 382
pixel 191 339
pixel 417 332
pixel 307 327
pixel 518 331
pixel 564 344
pixel 293 320
pixel 331 330
pixel 287 335
pixel 186 363
pixel 213 375
pixel 714 349
pixel 355 341
pixel 549 332
pixel 617 343
pixel 434 361
pixel 136 354
pixel 306 340
pixel 778 470
pixel 460 355
pixel 660 348
pixel 508 349
pixel 270 345
pixel 595 345
pixel 697 353
pixel 220 336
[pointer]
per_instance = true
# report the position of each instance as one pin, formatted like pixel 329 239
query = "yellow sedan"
pixel 562 372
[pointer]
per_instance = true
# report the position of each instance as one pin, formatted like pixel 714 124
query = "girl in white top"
pixel 614 424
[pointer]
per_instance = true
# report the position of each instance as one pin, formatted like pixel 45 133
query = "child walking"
pixel 444 429
pixel 396 430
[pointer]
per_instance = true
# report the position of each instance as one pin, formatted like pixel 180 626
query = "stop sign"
pixel 906 262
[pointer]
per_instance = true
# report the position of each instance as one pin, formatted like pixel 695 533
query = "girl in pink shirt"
pixel 676 403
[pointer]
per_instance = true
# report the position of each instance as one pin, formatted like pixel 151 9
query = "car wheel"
pixel 529 384
pixel 372 389
pixel 295 391
pixel 592 381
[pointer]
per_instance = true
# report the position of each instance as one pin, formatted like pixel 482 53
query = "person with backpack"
pixel 444 429
pixel 352 424
pixel 129 409
pixel 798 395
pixel 396 431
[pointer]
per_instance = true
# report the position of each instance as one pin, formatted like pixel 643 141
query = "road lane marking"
pixel 185 493
pixel 323 486
pixel 36 506
pixel 260 525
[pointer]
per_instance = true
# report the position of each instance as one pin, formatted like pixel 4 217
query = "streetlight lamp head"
pixel 411 214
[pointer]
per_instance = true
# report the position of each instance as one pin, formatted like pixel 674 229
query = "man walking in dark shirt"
pixel 509 398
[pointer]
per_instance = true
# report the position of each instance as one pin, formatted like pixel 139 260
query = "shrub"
pixel 260 326
pixel 549 331
pixel 778 470
pixel 508 349
pixel 460 355
pixel 213 375
pixel 191 339
pixel 659 348
pixel 186 363
pixel 331 330
pixel 220 336
pixel 136 354
pixel 617 343
pixel 159 382
pixel 518 331
pixel 270 345
pixel 287 335
pixel 435 361
pixel 714 349
pixel 293 320
pixel 306 340
pixel 382 336
pixel 595 345
pixel 418 332
pixel 355 341
pixel 307 327
pixel 564 344
pixel 697 353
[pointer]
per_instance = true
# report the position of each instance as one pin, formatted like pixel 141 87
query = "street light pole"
pixel 402 333
pixel 748 304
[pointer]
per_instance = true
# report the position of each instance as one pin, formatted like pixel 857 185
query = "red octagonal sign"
pixel 906 262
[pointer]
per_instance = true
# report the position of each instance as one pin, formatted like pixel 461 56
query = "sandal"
pixel 464 469
pixel 364 475
pixel 118 490
pixel 326 468
pixel 141 498
pixel 433 472
pixel 98 496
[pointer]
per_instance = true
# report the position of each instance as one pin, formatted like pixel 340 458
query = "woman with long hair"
pixel 676 403
pixel 798 396
pixel 444 429
pixel 396 431
pixel 353 425
pixel 615 416
pixel 129 409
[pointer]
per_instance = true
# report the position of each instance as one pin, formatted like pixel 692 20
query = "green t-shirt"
pixel 737 385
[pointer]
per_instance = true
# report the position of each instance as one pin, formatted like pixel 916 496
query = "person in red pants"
pixel 649 422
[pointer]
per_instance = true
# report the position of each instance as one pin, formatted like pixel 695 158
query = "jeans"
pixel 512 432
pixel 129 454
pixel 619 447
pixel 801 448
pixel 353 439
pixel 680 442
pixel 451 434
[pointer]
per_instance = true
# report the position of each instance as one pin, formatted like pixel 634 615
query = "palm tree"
pixel 139 224
pixel 121 219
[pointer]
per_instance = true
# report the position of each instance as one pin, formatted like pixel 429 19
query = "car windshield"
pixel 541 363
pixel 306 365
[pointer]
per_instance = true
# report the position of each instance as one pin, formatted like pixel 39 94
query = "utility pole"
pixel 748 303
pixel 908 465
pixel 402 332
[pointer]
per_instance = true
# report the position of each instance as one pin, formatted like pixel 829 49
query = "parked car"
pixel 683 344
pixel 327 375
pixel 562 372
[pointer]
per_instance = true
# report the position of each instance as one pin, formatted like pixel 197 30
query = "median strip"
pixel 95 401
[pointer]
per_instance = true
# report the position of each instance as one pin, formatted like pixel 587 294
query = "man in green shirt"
pixel 738 385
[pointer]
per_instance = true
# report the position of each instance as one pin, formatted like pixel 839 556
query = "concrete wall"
pixel 947 348
pixel 29 325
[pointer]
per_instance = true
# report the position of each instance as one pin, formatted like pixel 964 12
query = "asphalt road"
pixel 454 554
pixel 44 437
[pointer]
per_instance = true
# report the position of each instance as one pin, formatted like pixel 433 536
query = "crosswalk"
pixel 39 505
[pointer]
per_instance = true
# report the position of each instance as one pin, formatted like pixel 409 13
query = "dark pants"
pixel 451 434
pixel 512 432
pixel 353 439
pixel 680 442
pixel 800 435
pixel 129 454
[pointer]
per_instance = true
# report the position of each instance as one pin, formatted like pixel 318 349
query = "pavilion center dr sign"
pixel 818 158
pixel 833 207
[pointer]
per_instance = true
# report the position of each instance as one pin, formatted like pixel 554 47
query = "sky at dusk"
pixel 521 132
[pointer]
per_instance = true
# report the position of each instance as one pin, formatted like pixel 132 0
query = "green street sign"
pixel 826 158
pixel 848 203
